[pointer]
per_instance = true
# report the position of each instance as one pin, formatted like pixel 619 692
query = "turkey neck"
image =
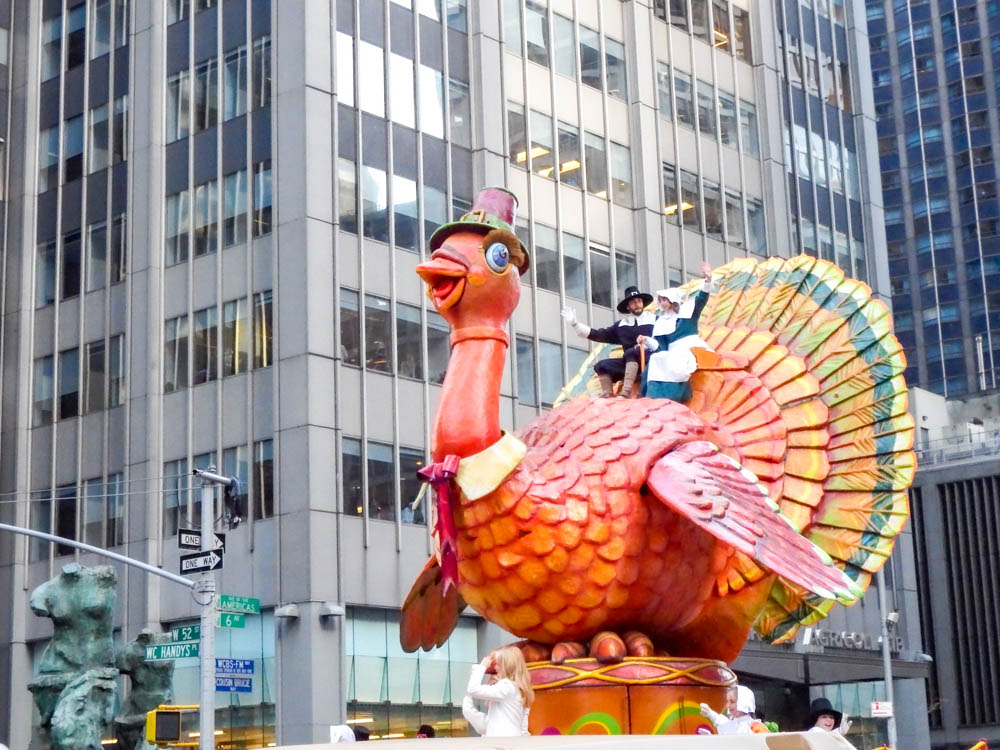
pixel 468 415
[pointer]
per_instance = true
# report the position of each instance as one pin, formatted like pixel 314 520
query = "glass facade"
pixel 931 64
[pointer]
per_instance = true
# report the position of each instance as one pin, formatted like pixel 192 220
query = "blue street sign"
pixel 230 667
pixel 229 684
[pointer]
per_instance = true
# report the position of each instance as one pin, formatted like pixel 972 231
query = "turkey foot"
pixel 606 647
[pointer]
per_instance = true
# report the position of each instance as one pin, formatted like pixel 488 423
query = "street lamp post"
pixel 886 656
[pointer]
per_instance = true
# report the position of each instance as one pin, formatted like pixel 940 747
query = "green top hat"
pixel 494 208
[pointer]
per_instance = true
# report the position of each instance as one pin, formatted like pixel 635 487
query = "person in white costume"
pixel 508 700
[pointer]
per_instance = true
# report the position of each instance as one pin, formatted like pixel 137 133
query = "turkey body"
pixel 572 542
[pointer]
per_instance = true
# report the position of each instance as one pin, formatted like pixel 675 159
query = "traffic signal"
pixel 165 728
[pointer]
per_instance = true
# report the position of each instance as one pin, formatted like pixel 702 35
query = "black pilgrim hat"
pixel 823 707
pixel 631 292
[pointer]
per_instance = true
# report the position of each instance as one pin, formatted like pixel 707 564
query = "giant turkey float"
pixel 634 543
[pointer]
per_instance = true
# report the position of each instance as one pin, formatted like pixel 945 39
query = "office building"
pixel 215 209
pixel 934 74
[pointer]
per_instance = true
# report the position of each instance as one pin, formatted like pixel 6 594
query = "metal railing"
pixel 958 448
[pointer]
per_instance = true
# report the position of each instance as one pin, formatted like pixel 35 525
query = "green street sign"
pixel 185 633
pixel 230 620
pixel 244 604
pixel 167 651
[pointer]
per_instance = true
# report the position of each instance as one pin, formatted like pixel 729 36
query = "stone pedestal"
pixel 641 695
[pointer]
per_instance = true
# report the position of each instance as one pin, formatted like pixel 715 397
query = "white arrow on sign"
pixel 200 562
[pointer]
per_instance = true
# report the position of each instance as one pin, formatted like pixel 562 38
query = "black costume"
pixel 623 333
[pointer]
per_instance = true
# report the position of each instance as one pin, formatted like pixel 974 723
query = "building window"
pixel 526 384
pixel 175 496
pixel 178 10
pixel 401 94
pixel 205 345
pixel 748 128
pixel 625 270
pixel 405 218
pixel 713 210
pixel 262 198
pixel 517 134
pixel 263 479
pixel 596 165
pixel 45 273
pixel 461 113
pixel 48 159
pixel 236 463
pixel 93 512
pixel 690 201
pixel 431 101
pixel 411 460
pixel 550 369
pixel 438 347
pixel 116 370
pixel 614 67
pixel 206 85
pixel 114 528
pixel 378 334
pixel 94 389
pixel 600 277
pixel 70 267
pixel 699 19
pixel 350 467
pixel 234 208
pixel 757 232
pixel 97 256
pixel 706 109
pixel 51 47
pixel 728 128
pixel 381 482
pixel 119 248
pixel 69 383
pixel 99 138
pixel 73 148
pixel 574 266
pixel 263 330
pixel 590 58
pixel 720 20
pixel 121 22
pixel 683 98
pixel 536 33
pixel 119 135
pixel 66 506
pixel 205 218
pixel 663 89
pixel 350 328
pixel 409 342
pixel 621 175
pixel 735 234
pixel 262 72
pixel 175 354
pixel 178 105
pixel 546 260
pixel 234 83
pixel 565 46
pixel 347 195
pixel 44 392
pixel 542 156
pixel 570 159
pixel 177 220
pixel 76 36
pixel 671 206
pixel 235 337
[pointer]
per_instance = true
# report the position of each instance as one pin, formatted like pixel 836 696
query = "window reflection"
pixel 526 390
pixel 748 128
pixel 546 258
pixel 706 109
pixel 371 79
pixel 435 210
pixel 234 91
pixel 699 19
pixel 97 255
pixel 517 135
pixel 590 57
pixel 235 200
pixel 45 273
pixel 542 156
pixel 683 98
pixel 205 218
pixel 596 164
pixel 728 130
pixel 625 271
pixel 755 218
pixel 381 482
pixel 345 68
pixel 570 164
pixel 401 90
pixel 175 354
pixel 409 356
pixel 690 201
pixel 406 223
pixel 720 20
pixel 713 210
pixel 574 266
pixel 663 89
pixel 235 337
pixel 262 198
pixel 550 369
pixel 735 234
pixel 411 460
pixel 263 329
pixel 350 328
pixel 621 174
pixel 378 334
pixel 565 46
pixel 99 139
pixel 536 33
pixel 431 102
pixel 347 195
pixel 206 82
pixel 205 345
pixel 71 265
pixel 175 496
pixel 43 400
pixel 263 479
pixel 177 219
pixel 461 113
pixel 178 105
pixel 614 56
pixel 600 277
pixel 438 347
pixel 671 207
pixel 72 148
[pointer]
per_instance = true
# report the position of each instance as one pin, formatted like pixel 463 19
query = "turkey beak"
pixel 444 275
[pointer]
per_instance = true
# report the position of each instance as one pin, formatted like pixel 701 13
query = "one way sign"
pixel 199 562
pixel 191 539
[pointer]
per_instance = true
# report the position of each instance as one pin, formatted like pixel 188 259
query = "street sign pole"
pixel 207 650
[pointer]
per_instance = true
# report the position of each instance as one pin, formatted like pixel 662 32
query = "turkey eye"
pixel 497 257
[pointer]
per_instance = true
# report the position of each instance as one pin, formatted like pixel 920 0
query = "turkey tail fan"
pixel 834 442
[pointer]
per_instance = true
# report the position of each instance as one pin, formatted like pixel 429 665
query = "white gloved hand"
pixel 569 315
pixel 845 725
pixel 708 713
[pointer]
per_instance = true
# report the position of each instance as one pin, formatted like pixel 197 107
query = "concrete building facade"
pixel 216 209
